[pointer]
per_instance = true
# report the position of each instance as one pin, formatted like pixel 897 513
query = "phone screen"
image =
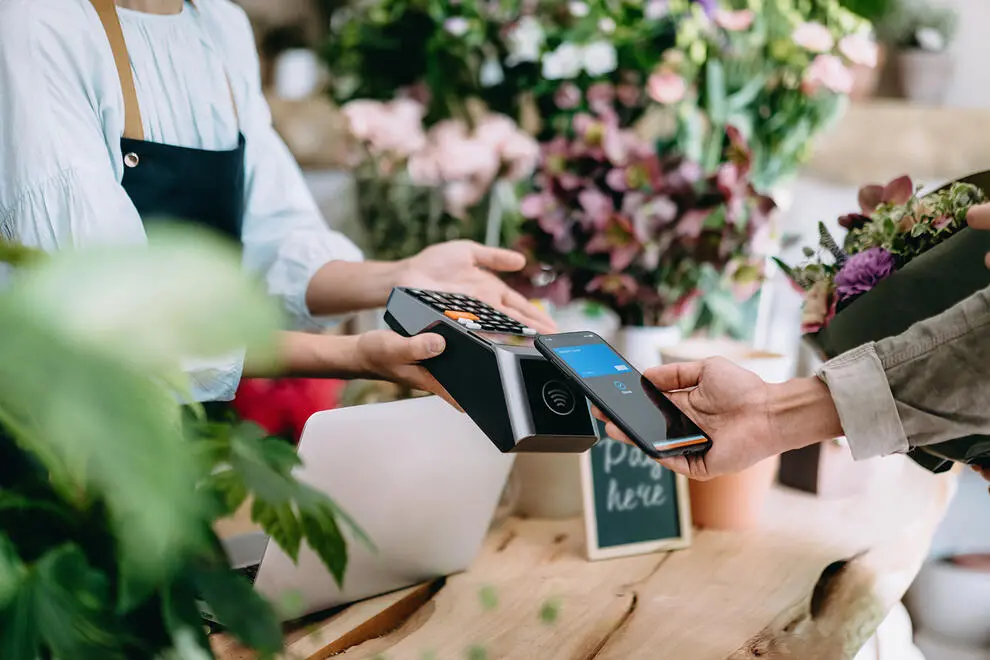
pixel 633 403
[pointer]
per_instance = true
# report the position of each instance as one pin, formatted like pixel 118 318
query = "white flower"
pixel 655 9
pixel 606 25
pixel 564 63
pixel 457 26
pixel 599 58
pixel 930 39
pixel 525 41
pixel 579 9
pixel 814 37
pixel 859 49
pixel 491 73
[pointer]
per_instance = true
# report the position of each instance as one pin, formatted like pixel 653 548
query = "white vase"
pixel 642 345
pixel 926 76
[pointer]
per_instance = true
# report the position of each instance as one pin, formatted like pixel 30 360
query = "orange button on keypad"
pixel 460 315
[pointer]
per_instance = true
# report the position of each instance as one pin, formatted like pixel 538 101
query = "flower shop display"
pixel 906 257
pixel 108 493
pixel 419 186
pixel 512 56
pixel 921 32
pixel 779 72
pixel 614 221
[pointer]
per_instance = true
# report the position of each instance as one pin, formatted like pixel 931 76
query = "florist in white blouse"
pixel 109 114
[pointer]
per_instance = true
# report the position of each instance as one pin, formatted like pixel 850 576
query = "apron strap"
pixel 107 11
pixel 133 126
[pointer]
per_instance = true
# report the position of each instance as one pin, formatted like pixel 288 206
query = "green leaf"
pixel 60 604
pixel 489 599
pixel 324 537
pixel 183 618
pixel 477 652
pixel 279 521
pixel 747 94
pixel 550 611
pixel 239 608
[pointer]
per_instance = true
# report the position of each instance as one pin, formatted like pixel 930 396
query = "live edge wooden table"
pixel 812 583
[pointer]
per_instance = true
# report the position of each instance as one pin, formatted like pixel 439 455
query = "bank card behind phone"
pixel 645 414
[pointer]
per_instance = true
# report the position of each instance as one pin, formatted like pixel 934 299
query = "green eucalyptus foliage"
pixel 108 490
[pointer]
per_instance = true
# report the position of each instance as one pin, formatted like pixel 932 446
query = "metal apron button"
pixel 131 159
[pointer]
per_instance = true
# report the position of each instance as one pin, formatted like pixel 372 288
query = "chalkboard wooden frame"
pixel 593 548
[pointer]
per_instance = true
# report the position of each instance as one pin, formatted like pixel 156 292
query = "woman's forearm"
pixel 341 287
pixel 304 355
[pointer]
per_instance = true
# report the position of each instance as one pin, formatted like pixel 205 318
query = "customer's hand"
pixel 982 471
pixel 469 268
pixel 729 403
pixel 386 355
pixel 743 415
pixel 979 218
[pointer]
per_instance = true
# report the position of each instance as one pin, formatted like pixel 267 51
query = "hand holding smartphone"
pixel 644 413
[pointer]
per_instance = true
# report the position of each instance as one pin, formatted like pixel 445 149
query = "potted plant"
pixel 108 493
pixel 614 221
pixel 922 33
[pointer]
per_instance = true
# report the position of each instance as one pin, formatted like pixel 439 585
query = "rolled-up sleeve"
pixel 286 239
pixel 927 385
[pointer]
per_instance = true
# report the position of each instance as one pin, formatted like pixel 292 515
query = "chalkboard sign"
pixel 632 504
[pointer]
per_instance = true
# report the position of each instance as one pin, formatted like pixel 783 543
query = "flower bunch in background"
pixel 614 221
pixel 416 186
pixel 518 57
pixel 778 71
pixel 893 226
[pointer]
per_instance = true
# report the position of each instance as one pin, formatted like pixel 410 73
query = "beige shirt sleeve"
pixel 927 385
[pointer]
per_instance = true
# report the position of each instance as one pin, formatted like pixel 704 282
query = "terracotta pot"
pixel 734 501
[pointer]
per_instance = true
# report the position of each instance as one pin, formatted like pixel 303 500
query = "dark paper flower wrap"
pixel 927 286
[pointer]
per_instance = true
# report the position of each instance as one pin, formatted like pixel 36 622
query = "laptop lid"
pixel 419 477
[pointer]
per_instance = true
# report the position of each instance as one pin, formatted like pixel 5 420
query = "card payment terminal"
pixel 492 370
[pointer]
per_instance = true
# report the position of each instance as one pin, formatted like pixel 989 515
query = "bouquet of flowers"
pixel 417 187
pixel 614 221
pixel 510 55
pixel 905 258
pixel 779 71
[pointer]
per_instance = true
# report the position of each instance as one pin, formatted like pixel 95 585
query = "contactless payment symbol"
pixel 558 398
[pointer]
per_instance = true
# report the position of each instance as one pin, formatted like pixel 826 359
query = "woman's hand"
pixel 747 419
pixel 469 268
pixel 386 355
pixel 978 217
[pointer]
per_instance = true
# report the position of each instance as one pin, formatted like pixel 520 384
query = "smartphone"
pixel 643 412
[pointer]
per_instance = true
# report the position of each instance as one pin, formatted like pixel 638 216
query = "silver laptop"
pixel 419 477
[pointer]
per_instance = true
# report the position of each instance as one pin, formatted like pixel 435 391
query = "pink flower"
pixel 424 170
pixel 596 205
pixel 363 117
pixel 734 21
pixel 814 37
pixel 533 206
pixel 600 96
pixel 827 71
pixel 521 154
pixel 567 96
pixel 617 179
pixel 860 50
pixel 692 222
pixel 495 130
pixel 746 278
pixel 468 159
pixel 460 196
pixel 666 88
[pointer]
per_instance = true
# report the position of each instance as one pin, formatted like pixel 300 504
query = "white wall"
pixel 971 85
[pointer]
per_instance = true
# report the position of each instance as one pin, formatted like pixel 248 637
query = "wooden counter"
pixel 813 583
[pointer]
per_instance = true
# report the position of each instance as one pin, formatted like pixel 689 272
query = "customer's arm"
pixel 924 386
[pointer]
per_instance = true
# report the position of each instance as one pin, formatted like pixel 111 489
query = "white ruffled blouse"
pixel 61 119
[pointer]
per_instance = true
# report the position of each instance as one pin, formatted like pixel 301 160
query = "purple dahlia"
pixel 862 272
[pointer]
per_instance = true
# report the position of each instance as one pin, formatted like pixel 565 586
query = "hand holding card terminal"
pixel 492 369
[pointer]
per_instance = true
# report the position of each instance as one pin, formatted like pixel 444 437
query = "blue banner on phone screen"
pixel 593 360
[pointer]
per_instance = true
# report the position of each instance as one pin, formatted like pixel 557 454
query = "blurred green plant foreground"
pixel 108 487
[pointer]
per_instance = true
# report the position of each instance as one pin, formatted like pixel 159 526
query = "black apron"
pixel 169 182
